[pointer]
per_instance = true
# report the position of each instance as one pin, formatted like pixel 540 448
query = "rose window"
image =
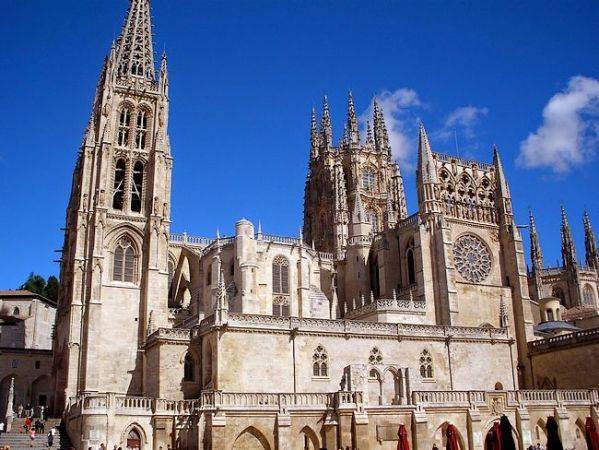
pixel 472 259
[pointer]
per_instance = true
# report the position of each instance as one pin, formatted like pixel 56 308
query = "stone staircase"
pixel 18 439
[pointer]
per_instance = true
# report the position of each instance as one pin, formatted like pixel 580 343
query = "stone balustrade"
pixel 564 340
pixel 405 305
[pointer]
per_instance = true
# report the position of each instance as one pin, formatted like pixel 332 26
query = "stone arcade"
pixel 369 319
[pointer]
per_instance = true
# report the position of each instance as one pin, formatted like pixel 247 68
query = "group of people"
pixel 38 427
pixel 539 446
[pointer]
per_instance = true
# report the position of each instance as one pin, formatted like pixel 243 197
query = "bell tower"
pixel 114 273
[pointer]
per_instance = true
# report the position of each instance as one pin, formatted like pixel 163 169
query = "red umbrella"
pixel 591 435
pixel 402 441
pixel 452 438
pixel 496 436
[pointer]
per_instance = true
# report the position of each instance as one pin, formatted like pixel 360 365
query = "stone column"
pixel 217 430
pixel 9 405
pixel 419 429
pixel 360 430
pixel 283 431
pixel 562 417
pixel 475 434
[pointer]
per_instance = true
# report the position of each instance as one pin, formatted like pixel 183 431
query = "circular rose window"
pixel 472 259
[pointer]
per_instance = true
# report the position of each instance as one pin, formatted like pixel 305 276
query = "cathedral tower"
pixel 114 274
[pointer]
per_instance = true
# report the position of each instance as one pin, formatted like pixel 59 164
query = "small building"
pixel 26 330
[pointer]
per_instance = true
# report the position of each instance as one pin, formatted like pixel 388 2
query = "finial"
pixel 353 134
pixel 326 129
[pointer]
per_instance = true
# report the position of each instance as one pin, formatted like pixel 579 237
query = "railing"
pixel 184 238
pixel 448 398
pixel 464 162
pixel 576 338
pixel 388 304
pixel 279 239
pixel 409 221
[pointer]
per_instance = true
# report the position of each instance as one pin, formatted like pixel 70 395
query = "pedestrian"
pixel 31 437
pixel 27 424
pixel 102 446
pixel 1 428
pixel 50 439
pixel 43 425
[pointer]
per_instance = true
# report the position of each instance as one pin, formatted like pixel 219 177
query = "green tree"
pixel 35 283
pixel 51 290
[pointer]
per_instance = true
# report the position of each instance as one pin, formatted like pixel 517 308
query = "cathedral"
pixel 371 320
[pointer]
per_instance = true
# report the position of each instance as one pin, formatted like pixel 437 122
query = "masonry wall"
pixel 575 367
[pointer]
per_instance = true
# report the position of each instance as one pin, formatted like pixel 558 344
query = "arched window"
pixel 134 439
pixel 136 186
pixel 142 129
pixel 280 306
pixel 557 292
pixel 209 276
pixel 280 275
pixel 16 311
pixel 411 267
pixel 373 219
pixel 368 179
pixel 124 124
pixel 320 362
pixel 588 296
pixel 549 313
pixel 426 365
pixel 376 357
pixel 188 374
pixel 124 261
pixel 498 386
pixel 171 274
pixel 119 185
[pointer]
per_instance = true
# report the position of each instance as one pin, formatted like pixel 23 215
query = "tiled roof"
pixel 24 293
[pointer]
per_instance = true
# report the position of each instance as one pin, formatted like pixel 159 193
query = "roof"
pixel 24 293
pixel 556 325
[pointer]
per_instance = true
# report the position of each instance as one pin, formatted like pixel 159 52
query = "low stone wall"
pixel 227 420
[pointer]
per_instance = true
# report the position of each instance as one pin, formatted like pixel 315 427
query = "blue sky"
pixel 244 76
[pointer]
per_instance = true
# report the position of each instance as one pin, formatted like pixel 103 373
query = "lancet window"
pixel 188 370
pixel 426 365
pixel 280 275
pixel 137 186
pixel 119 184
pixel 588 296
pixel 142 129
pixel 320 362
pixel 124 124
pixel 124 261
pixel 368 180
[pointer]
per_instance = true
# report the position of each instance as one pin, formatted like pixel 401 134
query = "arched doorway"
pixel 440 437
pixel 309 439
pixel 495 437
pixel 134 439
pixel 251 439
pixel 41 391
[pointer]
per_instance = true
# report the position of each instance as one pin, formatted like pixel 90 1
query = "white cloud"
pixel 398 109
pixel 464 118
pixel 569 133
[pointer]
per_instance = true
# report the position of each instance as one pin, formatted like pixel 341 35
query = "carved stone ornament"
pixel 472 258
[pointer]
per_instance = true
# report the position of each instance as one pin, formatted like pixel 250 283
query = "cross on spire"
pixel 134 48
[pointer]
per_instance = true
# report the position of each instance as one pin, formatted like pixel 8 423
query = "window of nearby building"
pixel 137 186
pixel 368 179
pixel 188 374
pixel 426 365
pixel 119 184
pixel 124 261
pixel 320 362
pixel 280 275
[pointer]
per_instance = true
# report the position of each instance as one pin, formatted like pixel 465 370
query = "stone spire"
pixel 568 248
pixel 381 136
pixel 326 130
pixel 314 140
pixel 426 176
pixel 369 137
pixel 164 75
pixel 501 182
pixel 134 52
pixel 353 134
pixel 536 255
pixel 358 216
pixel 590 243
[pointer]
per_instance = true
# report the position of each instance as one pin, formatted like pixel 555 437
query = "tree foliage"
pixel 38 285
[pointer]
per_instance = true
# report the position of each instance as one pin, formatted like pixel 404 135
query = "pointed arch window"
pixel 368 179
pixel 171 275
pixel 411 267
pixel 142 129
pixel 124 265
pixel 124 124
pixel 280 275
pixel 137 186
pixel 188 371
pixel 320 362
pixel 588 296
pixel 426 365
pixel 373 219
pixel 119 184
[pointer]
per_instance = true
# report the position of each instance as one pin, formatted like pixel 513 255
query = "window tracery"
pixel 124 125
pixel 124 264
pixel 320 362
pixel 376 357
pixel 188 370
pixel 368 179
pixel 141 129
pixel 472 258
pixel 280 306
pixel 588 296
pixel 426 365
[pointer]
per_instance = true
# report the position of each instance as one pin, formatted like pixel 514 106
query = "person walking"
pixel 31 437
pixel 1 428
pixel 50 439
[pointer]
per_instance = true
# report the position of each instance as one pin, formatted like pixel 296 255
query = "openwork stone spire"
pixel 590 243
pixel 381 136
pixel 326 129
pixel 135 53
pixel 314 139
pixel 426 165
pixel 353 133
pixel 568 249
pixel 536 255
